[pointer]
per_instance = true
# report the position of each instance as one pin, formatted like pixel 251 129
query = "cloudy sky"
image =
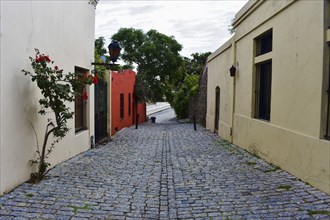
pixel 200 26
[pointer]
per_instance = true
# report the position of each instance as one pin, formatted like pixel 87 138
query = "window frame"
pixel 264 43
pixel 263 90
pixel 80 108
pixel 129 104
pixel 262 77
pixel 121 105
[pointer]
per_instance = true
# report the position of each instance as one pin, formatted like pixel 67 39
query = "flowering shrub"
pixel 57 89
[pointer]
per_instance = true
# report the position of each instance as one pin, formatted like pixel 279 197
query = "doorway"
pixel 100 110
pixel 217 109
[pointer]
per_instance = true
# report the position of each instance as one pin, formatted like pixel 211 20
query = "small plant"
pixel 76 208
pixel 272 170
pixel 284 187
pixel 57 90
pixel 29 195
pixel 318 212
pixel 250 163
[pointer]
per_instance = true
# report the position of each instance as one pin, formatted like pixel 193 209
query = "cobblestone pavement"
pixel 166 171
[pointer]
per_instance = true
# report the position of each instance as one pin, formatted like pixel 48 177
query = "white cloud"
pixel 200 26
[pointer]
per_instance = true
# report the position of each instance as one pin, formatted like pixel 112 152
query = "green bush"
pixel 187 90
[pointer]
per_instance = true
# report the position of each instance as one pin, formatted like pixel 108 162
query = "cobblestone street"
pixel 166 171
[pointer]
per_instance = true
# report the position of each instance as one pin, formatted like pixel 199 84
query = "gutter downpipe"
pixel 328 91
pixel 234 93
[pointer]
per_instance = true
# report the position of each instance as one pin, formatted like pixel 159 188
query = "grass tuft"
pixel 318 212
pixel 285 187
pixel 250 163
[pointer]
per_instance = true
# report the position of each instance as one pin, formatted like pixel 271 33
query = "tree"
pixel 182 97
pixel 195 65
pixel 157 58
pixel 187 88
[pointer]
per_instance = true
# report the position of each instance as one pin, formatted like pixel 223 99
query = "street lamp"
pixel 114 51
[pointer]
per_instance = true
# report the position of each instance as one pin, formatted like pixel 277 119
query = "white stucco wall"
pixel 65 31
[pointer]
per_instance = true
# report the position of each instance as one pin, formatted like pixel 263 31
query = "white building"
pixel 65 31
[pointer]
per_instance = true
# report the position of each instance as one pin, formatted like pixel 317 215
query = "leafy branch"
pixel 57 89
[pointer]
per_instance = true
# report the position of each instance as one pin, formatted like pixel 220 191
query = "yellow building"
pixel 276 105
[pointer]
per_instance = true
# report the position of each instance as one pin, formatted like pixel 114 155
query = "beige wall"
pixel 219 77
pixel 292 137
pixel 65 31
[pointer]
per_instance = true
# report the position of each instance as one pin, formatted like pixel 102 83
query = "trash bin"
pixel 153 119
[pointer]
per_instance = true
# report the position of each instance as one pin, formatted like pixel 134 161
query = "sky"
pixel 199 26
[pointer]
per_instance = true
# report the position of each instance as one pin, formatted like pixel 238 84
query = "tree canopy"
pixel 162 73
pixel 157 58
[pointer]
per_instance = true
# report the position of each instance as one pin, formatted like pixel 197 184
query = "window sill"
pixel 262 120
pixel 80 131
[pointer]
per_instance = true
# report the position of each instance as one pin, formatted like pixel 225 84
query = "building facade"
pixel 64 30
pixel 277 104
pixel 124 105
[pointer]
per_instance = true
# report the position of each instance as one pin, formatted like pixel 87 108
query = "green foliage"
pixel 57 89
pixel 29 195
pixel 76 208
pixel 185 88
pixel 250 163
pixel 195 65
pixel 276 168
pixel 318 212
pixel 157 58
pixel 284 187
pixel 188 89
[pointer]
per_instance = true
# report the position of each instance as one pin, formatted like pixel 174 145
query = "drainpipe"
pixel 234 93
pixel 328 90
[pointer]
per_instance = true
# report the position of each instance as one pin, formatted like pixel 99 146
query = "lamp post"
pixel 114 51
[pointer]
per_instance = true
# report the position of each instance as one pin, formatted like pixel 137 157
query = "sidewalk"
pixel 157 107
pixel 166 171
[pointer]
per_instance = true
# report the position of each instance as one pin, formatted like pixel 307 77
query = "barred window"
pixel 121 105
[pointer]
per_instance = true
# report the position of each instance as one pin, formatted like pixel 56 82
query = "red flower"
pixel 95 80
pixel 56 67
pixel 47 59
pixel 40 59
pixel 85 96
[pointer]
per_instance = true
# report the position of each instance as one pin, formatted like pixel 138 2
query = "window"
pixel 129 104
pixel 263 88
pixel 263 75
pixel 79 106
pixel 121 105
pixel 264 43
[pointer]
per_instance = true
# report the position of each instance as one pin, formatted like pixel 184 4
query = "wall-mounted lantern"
pixel 114 51
pixel 232 71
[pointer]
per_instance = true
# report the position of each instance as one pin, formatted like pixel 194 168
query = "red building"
pixel 124 106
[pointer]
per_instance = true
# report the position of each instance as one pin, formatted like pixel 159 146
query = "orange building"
pixel 124 106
